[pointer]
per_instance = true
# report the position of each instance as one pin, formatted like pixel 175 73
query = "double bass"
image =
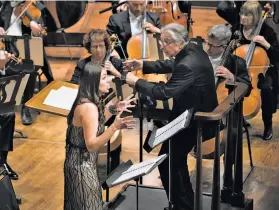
pixel 257 62
pixel 173 12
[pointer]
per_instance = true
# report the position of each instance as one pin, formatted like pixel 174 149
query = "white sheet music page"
pixel 62 98
pixel 170 129
pixel 138 169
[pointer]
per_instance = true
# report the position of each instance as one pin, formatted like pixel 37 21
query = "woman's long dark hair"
pixel 88 89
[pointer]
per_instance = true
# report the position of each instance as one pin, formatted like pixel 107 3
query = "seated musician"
pixel 191 84
pixel 128 23
pixel 218 38
pixel 250 14
pixel 8 14
pixel 97 44
pixel 229 10
pixel 7 122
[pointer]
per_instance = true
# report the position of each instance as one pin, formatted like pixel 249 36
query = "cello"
pixel 208 147
pixel 144 46
pixel 257 62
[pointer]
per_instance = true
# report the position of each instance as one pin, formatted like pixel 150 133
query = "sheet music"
pixel 138 169
pixel 170 129
pixel 62 98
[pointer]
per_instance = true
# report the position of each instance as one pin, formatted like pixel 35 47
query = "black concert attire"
pixel 229 11
pixel 7 127
pixel 119 24
pixel 268 84
pixel 192 85
pixel 78 69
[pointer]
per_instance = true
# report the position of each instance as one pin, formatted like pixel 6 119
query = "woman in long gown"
pixel 86 135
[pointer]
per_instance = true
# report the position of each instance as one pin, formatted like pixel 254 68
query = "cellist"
pixel 128 23
pixel 250 15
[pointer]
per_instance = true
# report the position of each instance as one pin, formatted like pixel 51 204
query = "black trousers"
pixel 30 86
pixel 7 126
pixel 182 192
pixel 269 90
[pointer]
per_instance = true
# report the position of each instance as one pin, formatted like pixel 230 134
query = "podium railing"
pixel 232 103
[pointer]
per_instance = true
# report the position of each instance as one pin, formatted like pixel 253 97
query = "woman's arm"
pixel 90 124
pixel 89 116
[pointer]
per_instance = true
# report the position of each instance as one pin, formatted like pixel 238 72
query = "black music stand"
pixel 7 104
pixel 129 171
pixel 21 45
pixel 158 136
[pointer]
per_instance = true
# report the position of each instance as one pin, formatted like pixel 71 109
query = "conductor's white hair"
pixel 177 31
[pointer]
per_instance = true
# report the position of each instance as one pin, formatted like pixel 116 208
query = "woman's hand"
pixel 126 104
pixel 110 68
pixel 262 41
pixel 124 123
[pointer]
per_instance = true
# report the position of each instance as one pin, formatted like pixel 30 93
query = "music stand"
pixel 158 136
pixel 128 171
pixel 8 99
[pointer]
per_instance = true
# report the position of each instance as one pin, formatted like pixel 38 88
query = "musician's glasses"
pixel 165 44
pixel 246 14
pixel 95 47
pixel 213 46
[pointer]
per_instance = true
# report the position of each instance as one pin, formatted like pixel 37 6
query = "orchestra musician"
pixel 218 38
pixel 8 14
pixel 229 11
pixel 128 23
pixel 97 43
pixel 7 122
pixel 250 14
pixel 86 135
pixel 191 79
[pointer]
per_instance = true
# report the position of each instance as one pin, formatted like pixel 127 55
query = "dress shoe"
pixel 13 175
pixel 26 117
pixel 267 135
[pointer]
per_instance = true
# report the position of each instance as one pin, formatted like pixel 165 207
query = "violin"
pixel 29 12
pixel 14 58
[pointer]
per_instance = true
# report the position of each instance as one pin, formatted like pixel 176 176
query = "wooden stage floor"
pixel 39 159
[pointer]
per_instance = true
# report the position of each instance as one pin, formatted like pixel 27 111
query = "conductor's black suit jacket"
pixel 192 84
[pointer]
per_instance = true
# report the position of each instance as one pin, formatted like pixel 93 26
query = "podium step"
pixel 156 199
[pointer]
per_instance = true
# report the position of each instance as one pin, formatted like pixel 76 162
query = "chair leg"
pixel 249 145
pixel 21 134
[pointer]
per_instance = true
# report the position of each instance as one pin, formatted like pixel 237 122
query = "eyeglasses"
pixel 246 14
pixel 165 44
pixel 95 47
pixel 213 46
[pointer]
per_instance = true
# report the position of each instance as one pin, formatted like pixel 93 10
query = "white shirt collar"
pixel 133 17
